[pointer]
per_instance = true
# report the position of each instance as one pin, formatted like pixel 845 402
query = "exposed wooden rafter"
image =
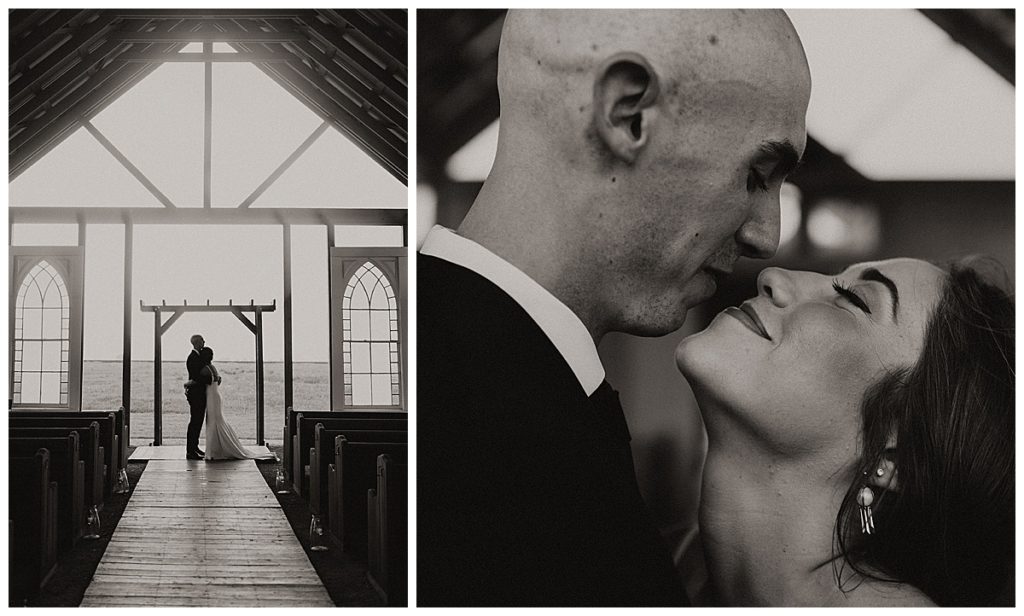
pixel 348 66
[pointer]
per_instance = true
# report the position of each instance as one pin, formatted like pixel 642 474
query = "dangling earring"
pixel 864 499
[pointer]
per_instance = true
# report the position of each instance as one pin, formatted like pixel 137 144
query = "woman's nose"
pixel 777 285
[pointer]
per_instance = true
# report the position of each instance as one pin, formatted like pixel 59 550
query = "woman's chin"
pixel 688 354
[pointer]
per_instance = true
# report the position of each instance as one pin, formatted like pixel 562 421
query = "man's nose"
pixel 758 237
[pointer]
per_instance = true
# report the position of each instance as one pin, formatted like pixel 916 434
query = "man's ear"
pixel 625 89
pixel 884 475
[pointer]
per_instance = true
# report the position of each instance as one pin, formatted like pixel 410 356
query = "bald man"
pixel 641 153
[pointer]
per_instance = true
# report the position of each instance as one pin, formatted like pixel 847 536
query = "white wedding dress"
pixel 221 441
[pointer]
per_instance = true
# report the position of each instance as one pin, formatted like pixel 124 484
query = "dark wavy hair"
pixel 206 354
pixel 947 527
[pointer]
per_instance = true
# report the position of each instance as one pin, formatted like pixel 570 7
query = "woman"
pixel 860 439
pixel 221 441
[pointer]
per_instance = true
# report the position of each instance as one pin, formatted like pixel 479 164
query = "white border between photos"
pixel 412 219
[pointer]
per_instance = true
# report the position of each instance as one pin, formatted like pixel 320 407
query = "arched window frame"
pixel 346 263
pixel 68 263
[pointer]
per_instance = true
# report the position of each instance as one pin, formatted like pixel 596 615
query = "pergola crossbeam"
pixel 229 307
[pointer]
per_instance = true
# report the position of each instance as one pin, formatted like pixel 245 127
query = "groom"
pixel 640 155
pixel 195 393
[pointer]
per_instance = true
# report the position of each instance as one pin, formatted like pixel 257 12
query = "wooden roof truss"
pixel 349 66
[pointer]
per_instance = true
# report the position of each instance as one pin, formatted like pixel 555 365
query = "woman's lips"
pixel 745 314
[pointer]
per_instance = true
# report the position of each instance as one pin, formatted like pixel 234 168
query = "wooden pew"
pixel 321 455
pixel 117 459
pixel 89 451
pixel 68 471
pixel 302 441
pixel 120 427
pixel 33 524
pixel 387 514
pixel 355 473
pixel 291 421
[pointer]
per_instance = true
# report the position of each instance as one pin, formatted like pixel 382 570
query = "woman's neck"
pixel 767 529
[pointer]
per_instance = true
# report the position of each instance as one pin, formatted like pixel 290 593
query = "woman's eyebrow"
pixel 873 275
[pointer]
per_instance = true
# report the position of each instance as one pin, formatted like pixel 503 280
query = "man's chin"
pixel 653 324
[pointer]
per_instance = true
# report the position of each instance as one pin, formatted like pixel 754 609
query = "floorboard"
pixel 201 533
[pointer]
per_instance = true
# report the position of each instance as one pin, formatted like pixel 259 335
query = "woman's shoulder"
pixel 877 593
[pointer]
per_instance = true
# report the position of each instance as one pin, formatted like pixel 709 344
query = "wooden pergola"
pixel 176 310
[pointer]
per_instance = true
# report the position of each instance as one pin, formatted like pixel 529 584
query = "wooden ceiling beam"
pixel 327 35
pixel 375 37
pixel 209 216
pixel 42 37
pixel 21 20
pixel 162 56
pixel 361 91
pixel 65 54
pixel 312 87
pixel 397 20
pixel 196 13
pixel 21 110
pixel 207 37
pixel 355 134
pixel 371 137
pixel 44 132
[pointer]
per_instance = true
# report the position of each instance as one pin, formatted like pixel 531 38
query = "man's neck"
pixel 519 228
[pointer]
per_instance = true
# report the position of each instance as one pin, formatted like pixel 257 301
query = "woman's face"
pixel 792 365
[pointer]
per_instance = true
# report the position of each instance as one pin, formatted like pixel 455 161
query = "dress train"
pixel 221 441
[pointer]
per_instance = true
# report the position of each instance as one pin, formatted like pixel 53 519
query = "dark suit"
pixel 526 488
pixel 196 396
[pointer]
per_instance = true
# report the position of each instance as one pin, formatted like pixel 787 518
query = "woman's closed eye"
pixel 848 294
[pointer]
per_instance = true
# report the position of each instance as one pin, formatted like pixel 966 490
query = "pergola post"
pixel 158 429
pixel 259 377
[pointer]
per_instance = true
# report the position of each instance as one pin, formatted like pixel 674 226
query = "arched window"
pixel 41 338
pixel 370 339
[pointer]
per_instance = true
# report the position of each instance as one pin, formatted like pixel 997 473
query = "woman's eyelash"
pixel 848 293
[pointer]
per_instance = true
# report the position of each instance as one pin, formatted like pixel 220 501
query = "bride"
pixel 860 439
pixel 221 441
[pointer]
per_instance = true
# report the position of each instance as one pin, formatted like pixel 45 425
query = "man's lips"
pixel 748 316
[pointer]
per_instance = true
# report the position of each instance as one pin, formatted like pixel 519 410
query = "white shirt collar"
pixel 560 324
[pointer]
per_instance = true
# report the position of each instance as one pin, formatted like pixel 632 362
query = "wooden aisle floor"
pixel 201 533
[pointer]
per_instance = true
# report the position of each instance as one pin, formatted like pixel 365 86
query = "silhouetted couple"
pixel 202 390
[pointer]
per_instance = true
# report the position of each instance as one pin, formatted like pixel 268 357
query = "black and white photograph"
pixel 715 308
pixel 208 341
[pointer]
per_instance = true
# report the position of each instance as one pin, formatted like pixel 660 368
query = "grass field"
pixel 101 389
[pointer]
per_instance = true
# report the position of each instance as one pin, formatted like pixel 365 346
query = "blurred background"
pixel 910 153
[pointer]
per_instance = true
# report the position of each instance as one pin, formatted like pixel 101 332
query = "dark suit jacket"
pixel 195 365
pixel 527 493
